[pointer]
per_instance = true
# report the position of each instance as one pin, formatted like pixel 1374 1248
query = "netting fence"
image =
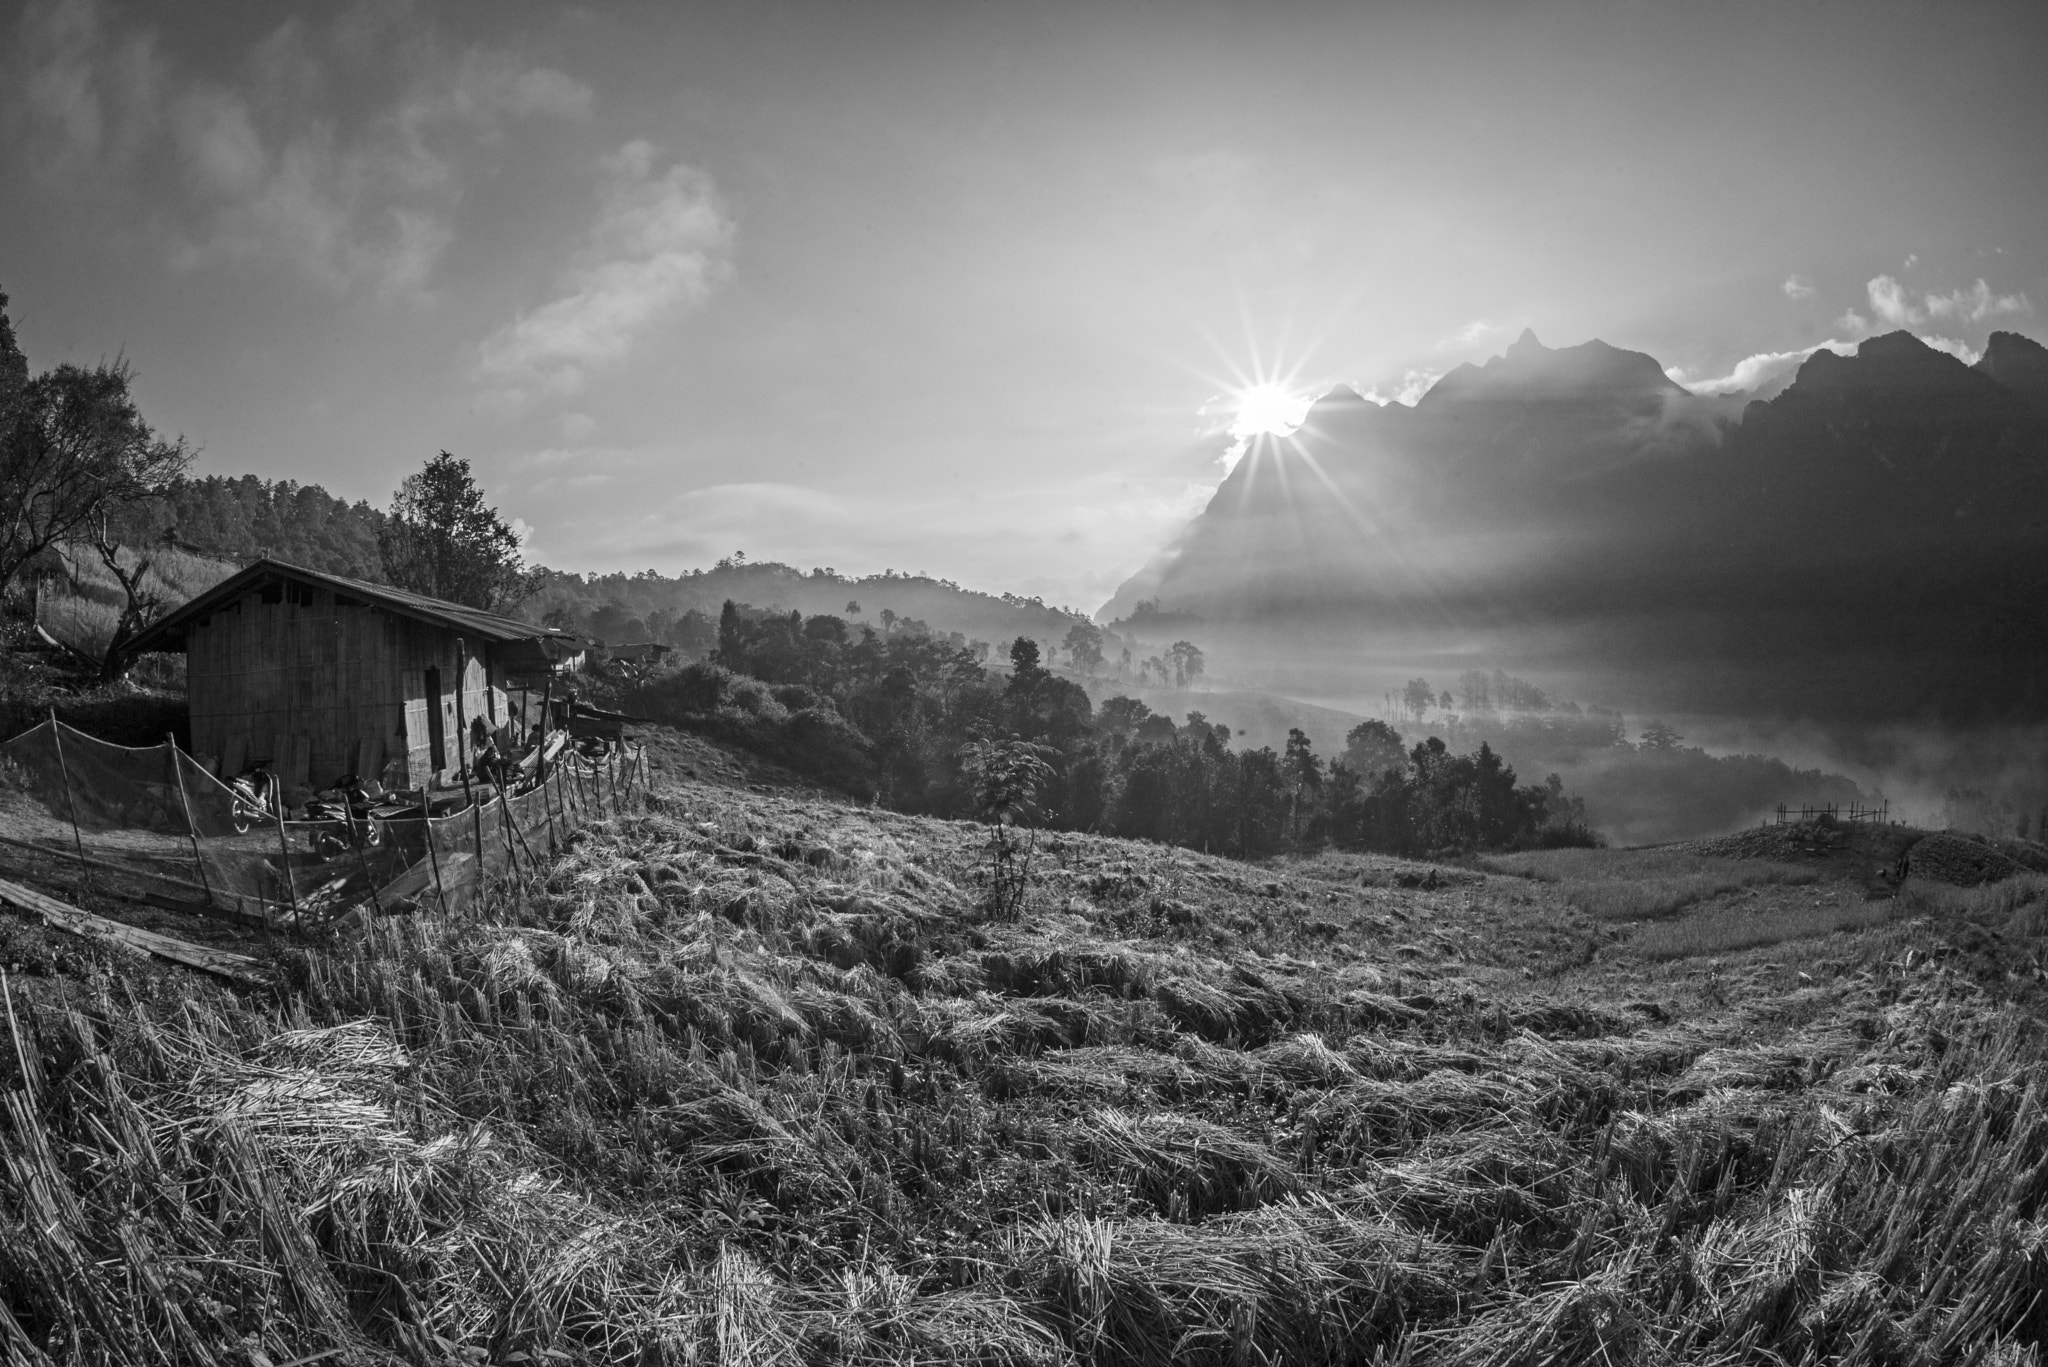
pixel 157 814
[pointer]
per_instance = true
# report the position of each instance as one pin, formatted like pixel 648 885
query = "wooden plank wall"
pixel 482 696
pixel 320 688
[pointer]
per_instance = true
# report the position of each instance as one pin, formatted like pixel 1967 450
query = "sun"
pixel 1268 409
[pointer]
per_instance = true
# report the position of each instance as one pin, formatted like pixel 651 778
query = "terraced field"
pixel 754 1078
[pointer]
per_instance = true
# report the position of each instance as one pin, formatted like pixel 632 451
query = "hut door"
pixel 437 745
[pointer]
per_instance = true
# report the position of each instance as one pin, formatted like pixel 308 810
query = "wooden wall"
pixel 320 686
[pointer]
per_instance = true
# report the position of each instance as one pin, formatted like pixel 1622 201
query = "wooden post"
pixel 70 802
pixel 433 859
pixel 185 802
pixel 540 762
pixel 476 815
pixel 284 847
pixel 362 860
pixel 532 860
pixel 505 824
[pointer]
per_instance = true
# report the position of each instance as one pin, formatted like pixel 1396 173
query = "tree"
pixel 1477 690
pixel 141 604
pixel 1419 696
pixel 1373 747
pixel 1084 647
pixel 853 607
pixel 1186 659
pixel 1006 777
pixel 732 646
pixel 1303 773
pixel 73 448
pixel 441 539
pixel 1660 736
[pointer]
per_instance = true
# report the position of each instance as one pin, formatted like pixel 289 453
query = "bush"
pixel 797 697
pixel 791 724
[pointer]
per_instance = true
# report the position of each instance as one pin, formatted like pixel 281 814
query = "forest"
pixel 891 715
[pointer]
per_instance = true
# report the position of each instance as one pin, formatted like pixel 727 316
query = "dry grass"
pixel 749 1081
pixel 83 609
pixel 1645 885
pixel 1728 929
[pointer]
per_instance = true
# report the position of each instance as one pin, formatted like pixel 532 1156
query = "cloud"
pixel 341 153
pixel 1753 372
pixel 1890 302
pixel 1414 384
pixel 1797 288
pixel 1962 351
pixel 661 244
pixel 1758 371
pixel 1473 333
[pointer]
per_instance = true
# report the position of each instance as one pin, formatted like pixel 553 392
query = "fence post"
pixel 284 848
pixel 540 763
pixel 362 859
pixel 505 804
pixel 462 758
pixel 70 801
pixel 185 803
pixel 505 821
pixel 433 859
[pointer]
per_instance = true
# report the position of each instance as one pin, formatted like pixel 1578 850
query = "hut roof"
pixel 474 623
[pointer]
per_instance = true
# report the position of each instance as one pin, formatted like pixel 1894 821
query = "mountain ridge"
pixel 1577 504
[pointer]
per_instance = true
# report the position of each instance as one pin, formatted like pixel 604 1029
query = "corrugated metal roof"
pixel 473 623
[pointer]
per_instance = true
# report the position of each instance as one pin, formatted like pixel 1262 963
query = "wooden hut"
pixel 321 676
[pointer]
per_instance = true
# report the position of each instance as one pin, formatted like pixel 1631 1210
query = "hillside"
pixel 236 519
pixel 753 1076
pixel 621 607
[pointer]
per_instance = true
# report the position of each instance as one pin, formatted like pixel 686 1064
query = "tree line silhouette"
pixel 893 716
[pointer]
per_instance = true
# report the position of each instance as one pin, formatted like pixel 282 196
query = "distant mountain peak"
pixel 2019 363
pixel 1892 364
pixel 1890 345
pixel 1592 370
pixel 1341 395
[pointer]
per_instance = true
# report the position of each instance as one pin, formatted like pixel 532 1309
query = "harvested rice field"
pixel 753 1077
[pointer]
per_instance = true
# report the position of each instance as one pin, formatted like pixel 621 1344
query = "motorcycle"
pixel 348 819
pixel 252 796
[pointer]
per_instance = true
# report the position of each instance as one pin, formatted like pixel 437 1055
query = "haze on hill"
pixel 1859 552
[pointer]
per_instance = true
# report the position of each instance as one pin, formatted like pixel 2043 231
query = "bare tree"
pixel 140 607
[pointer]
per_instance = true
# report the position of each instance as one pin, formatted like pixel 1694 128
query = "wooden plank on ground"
pixel 65 917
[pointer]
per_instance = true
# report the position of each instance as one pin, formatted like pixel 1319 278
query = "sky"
pixel 965 288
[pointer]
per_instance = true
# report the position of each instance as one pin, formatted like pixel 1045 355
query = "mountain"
pixel 2019 363
pixel 1869 541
